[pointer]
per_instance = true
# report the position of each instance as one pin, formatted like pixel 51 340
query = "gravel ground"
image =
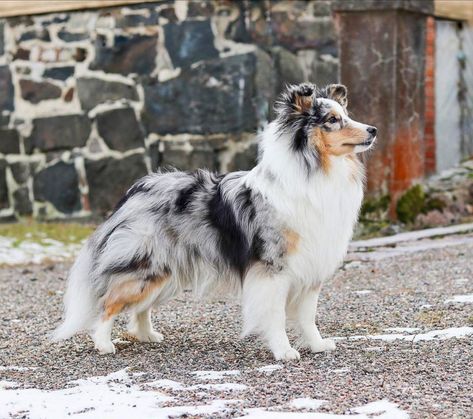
pixel 426 378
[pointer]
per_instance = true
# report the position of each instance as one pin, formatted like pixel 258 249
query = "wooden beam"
pixel 33 7
pixel 454 9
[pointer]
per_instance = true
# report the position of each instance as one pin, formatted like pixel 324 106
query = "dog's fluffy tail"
pixel 79 300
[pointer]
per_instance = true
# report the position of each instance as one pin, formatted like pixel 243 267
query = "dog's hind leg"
pixel 102 335
pixel 141 327
pixel 264 302
pixel 126 292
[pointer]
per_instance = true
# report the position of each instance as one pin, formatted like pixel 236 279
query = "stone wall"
pixel 92 100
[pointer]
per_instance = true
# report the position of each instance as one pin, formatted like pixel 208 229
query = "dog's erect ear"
pixel 337 92
pixel 296 98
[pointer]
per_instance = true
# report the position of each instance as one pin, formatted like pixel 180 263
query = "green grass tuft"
pixel 67 233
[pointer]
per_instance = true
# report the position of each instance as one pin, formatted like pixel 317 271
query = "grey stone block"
pixel 59 185
pixel 120 129
pixel 60 132
pixel 110 178
pixel 35 92
pixel 6 87
pixel 3 185
pixel 22 204
pixel 59 73
pixel 189 41
pixel 93 91
pixel 9 141
pixel 129 54
pixel 215 96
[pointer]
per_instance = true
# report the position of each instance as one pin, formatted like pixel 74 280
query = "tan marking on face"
pixel 343 141
pixel 292 240
pixel 317 141
pixel 303 103
pixel 127 293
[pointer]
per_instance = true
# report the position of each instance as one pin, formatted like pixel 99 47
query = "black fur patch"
pixel 244 202
pixel 187 194
pixel 233 243
pixel 134 264
pixel 138 187
pixel 104 241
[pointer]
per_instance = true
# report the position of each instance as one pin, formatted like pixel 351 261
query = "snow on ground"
pixel 269 369
pixel 15 368
pixel 307 403
pixel 214 375
pixel 115 396
pixel 402 329
pixel 452 332
pixel 363 292
pixel 381 409
pixel 12 253
pixel 219 387
pixel 94 397
pixel 468 298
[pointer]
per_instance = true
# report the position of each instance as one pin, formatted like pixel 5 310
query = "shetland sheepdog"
pixel 272 235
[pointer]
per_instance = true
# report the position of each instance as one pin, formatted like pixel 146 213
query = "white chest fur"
pixel 322 211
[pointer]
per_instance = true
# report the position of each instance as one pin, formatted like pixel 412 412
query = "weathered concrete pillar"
pixel 382 61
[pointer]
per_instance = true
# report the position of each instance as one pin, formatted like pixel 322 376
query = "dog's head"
pixel 318 124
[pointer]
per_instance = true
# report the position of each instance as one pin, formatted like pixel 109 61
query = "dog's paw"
pixel 288 355
pixel 324 345
pixel 151 336
pixel 105 347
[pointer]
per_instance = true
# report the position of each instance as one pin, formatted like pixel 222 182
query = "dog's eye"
pixel 332 120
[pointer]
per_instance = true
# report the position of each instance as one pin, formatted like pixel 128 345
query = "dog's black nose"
pixel 372 131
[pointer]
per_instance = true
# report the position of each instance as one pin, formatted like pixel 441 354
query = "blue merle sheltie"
pixel 273 235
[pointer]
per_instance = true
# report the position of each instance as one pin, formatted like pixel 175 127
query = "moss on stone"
pixel 67 233
pixel 432 204
pixel 375 205
pixel 410 204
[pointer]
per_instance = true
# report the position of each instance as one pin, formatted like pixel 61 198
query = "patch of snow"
pixel 467 298
pixel 374 349
pixel 462 280
pixel 402 329
pixel 341 370
pixel 167 384
pixel 16 368
pixel 307 403
pixel 215 406
pixel 32 252
pixel 5 384
pixel 363 292
pixel 452 332
pixel 382 409
pixel 214 375
pixel 111 396
pixel 269 369
pixel 426 306
pixel 354 264
pixel 219 387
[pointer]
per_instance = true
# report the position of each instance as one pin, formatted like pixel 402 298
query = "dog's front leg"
pixel 305 308
pixel 264 311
